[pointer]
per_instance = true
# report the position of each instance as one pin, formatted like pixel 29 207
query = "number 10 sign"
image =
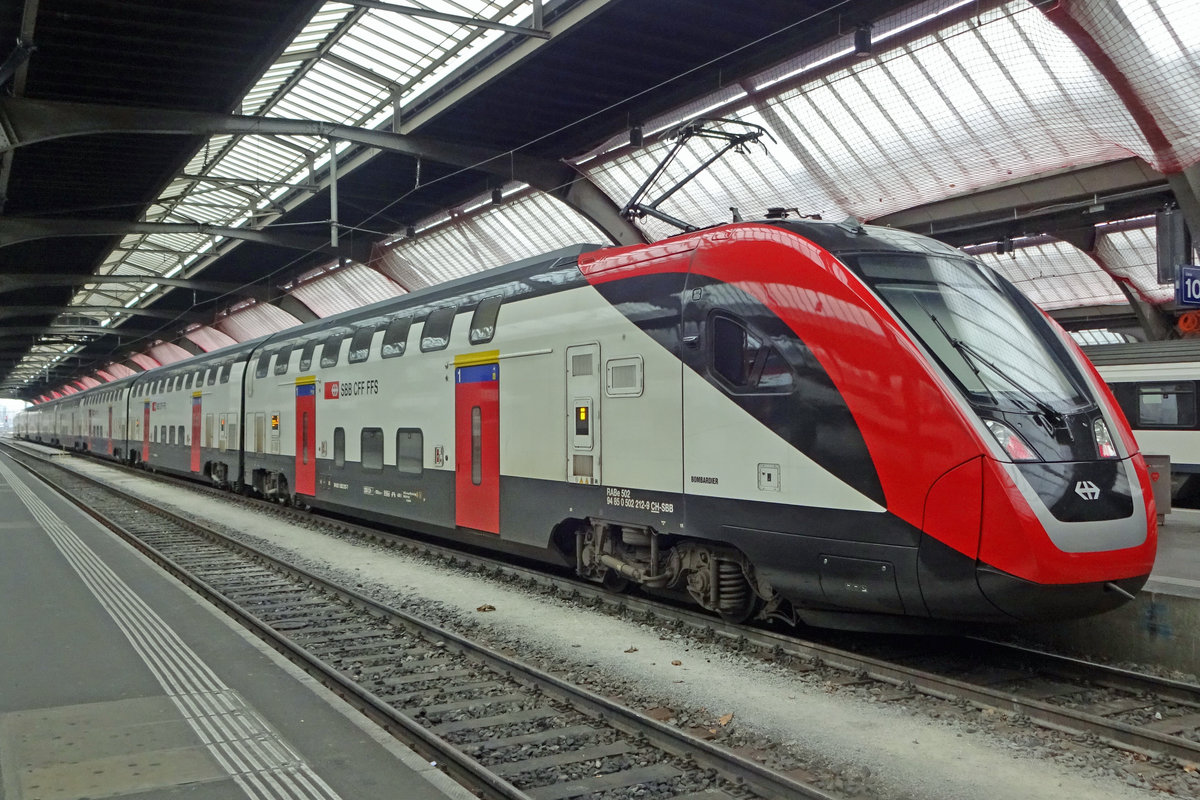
pixel 1187 285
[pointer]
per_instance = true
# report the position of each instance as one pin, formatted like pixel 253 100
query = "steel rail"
pixel 462 767
pixel 1114 733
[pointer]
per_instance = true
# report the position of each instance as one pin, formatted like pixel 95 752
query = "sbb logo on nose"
pixel 1087 490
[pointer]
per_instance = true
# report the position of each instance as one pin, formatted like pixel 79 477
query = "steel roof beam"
pixel 13 312
pixel 27 122
pixel 15 281
pixel 88 332
pixel 457 19
pixel 14 230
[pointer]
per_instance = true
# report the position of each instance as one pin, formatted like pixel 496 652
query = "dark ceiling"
pixel 628 61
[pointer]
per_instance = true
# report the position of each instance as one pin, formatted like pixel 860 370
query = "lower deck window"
pixel 410 451
pixel 372 448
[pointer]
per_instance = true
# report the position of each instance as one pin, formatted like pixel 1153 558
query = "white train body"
pixel 773 419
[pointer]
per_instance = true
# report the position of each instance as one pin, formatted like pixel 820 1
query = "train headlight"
pixel 1105 447
pixel 1013 444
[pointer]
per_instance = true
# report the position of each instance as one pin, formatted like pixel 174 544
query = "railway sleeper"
pixel 716 576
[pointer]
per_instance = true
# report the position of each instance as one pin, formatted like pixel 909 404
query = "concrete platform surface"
pixel 1161 627
pixel 118 682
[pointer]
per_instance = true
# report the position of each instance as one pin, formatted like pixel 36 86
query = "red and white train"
pixel 847 425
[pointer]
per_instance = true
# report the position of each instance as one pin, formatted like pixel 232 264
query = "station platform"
pixel 1162 626
pixel 117 682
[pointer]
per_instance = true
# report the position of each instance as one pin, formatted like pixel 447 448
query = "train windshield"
pixel 991 340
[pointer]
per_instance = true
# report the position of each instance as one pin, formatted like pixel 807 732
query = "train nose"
pixel 1065 539
pixel 1003 541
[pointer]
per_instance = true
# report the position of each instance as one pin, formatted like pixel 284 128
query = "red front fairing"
pixel 1015 541
pixel 912 429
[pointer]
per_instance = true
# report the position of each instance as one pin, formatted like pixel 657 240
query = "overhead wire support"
pixel 703 128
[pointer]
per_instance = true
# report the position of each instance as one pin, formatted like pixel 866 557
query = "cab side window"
pixel 744 361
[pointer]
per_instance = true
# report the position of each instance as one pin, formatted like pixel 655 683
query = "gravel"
pixel 844 738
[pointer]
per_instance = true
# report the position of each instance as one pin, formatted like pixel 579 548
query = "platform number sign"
pixel 1187 285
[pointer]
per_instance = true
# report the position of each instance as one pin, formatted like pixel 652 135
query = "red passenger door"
pixel 306 435
pixel 196 417
pixel 477 441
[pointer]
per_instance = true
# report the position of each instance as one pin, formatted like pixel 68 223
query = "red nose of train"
pixel 1050 540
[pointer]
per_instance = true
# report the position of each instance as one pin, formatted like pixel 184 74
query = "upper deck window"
pixel 331 350
pixel 282 359
pixel 306 355
pixel 360 344
pixel 436 333
pixel 483 321
pixel 395 337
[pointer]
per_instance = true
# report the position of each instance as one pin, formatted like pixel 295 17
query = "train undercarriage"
pixel 717 577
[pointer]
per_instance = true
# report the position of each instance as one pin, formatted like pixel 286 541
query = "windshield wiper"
pixel 960 347
pixel 971 355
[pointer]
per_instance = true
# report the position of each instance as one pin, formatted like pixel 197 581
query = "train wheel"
pixel 615 582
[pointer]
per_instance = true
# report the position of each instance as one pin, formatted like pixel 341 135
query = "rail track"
pixel 500 727
pixel 1095 704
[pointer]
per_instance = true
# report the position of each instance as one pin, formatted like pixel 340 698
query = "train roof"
pixel 852 236
pixel 1164 352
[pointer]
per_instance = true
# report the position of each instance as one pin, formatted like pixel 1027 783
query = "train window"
pixel 181 434
pixel 436 333
pixel 483 321
pixel 226 369
pixel 733 351
pixel 162 437
pixel 360 344
pixel 264 364
pixel 410 451
pixel 282 359
pixel 187 381
pixel 395 337
pixel 776 375
pixel 199 378
pixel 331 350
pixel 304 438
pixel 1166 405
pixel 476 445
pixel 623 377
pixel 306 355
pixel 339 447
pixel 212 375
pixel 172 431
pixel 371 442
pixel 744 361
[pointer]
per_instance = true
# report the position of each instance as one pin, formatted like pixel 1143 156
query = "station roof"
pixel 179 176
